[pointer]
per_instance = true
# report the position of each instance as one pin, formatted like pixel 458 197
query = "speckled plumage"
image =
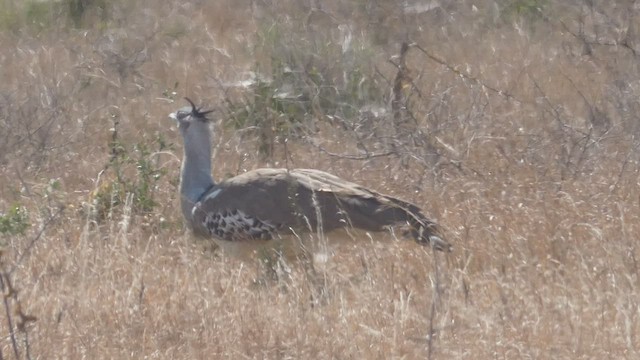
pixel 235 225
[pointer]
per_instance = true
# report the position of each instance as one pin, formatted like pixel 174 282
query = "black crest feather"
pixel 197 112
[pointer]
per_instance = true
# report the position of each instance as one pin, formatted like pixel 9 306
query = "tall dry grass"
pixel 519 135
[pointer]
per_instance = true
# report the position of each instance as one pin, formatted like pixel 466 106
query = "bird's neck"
pixel 195 177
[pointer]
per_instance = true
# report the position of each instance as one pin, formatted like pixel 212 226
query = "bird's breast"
pixel 236 225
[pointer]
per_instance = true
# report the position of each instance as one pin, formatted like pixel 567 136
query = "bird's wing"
pixel 266 200
pixel 324 182
pixel 372 210
pixel 259 203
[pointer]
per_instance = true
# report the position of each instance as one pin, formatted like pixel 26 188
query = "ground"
pixel 512 123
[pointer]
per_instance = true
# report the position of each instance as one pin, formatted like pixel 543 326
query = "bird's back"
pixel 276 199
pixel 262 202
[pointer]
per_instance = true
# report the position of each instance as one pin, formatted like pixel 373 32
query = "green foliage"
pixel 175 29
pixel 147 175
pixel 136 177
pixel 15 15
pixel 8 19
pixel 77 9
pixel 41 15
pixel 531 10
pixel 14 222
pixel 171 93
pixel 302 75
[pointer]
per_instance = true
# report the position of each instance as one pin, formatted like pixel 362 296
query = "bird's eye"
pixel 181 115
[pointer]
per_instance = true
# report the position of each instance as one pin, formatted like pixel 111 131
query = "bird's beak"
pixel 173 116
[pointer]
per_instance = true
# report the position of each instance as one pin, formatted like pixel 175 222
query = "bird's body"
pixel 262 206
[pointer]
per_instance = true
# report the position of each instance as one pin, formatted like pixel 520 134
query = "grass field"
pixel 513 123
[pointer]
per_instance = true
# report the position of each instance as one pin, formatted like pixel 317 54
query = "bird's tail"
pixel 423 230
pixel 377 211
pixel 426 232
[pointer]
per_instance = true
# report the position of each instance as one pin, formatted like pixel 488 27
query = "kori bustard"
pixel 262 205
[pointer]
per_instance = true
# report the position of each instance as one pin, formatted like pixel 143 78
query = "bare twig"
pixel 366 156
pixel 33 242
pixel 623 167
pixel 20 320
pixel 402 76
pixel 624 43
pixel 434 300
pixel 8 292
pixel 466 76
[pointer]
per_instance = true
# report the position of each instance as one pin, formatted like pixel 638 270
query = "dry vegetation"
pixel 514 123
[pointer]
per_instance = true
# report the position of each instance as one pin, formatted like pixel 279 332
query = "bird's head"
pixel 188 115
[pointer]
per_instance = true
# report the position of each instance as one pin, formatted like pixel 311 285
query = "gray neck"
pixel 195 177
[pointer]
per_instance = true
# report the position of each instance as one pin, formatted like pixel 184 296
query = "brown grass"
pixel 524 147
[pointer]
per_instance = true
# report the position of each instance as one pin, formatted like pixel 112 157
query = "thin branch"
pixel 27 250
pixel 8 291
pixel 624 43
pixel 352 156
pixel 466 76
pixel 435 300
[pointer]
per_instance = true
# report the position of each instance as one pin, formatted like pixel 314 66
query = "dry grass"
pixel 523 143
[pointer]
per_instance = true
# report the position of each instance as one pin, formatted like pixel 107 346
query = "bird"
pixel 259 207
